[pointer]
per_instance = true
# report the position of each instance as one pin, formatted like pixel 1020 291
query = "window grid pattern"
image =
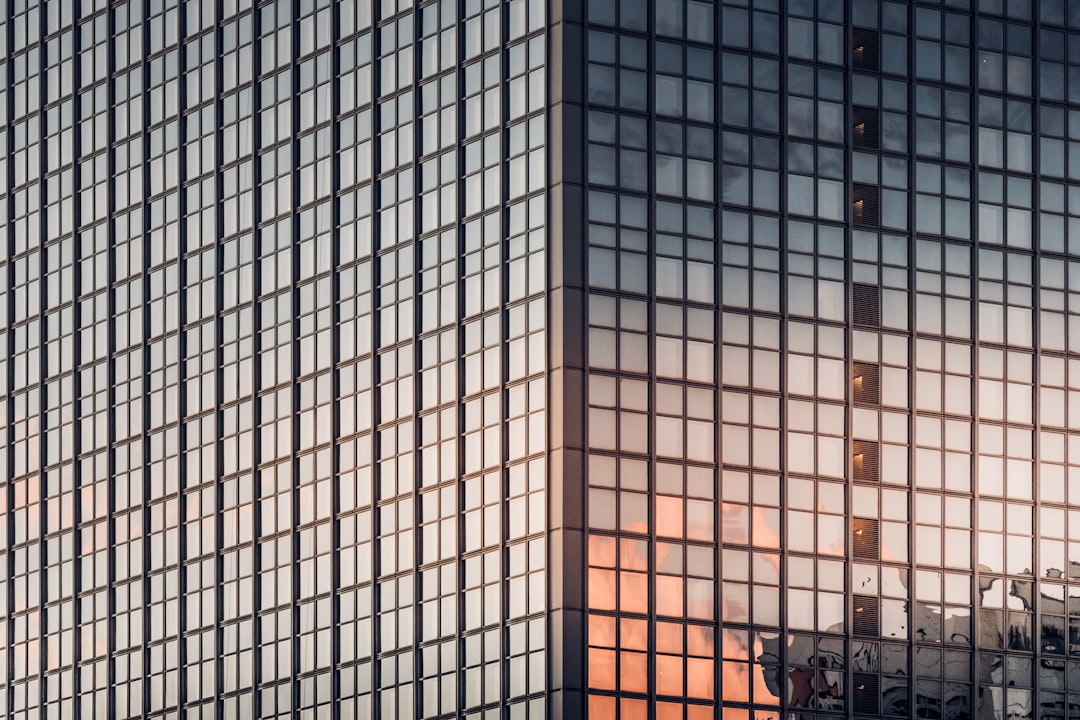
pixel 651 132
pixel 276 370
pixel 892 339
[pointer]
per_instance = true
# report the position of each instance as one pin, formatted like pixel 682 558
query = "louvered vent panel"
pixel 865 461
pixel 866 698
pixel 865 52
pixel 865 384
pixel 866 128
pixel 865 615
pixel 865 205
pixel 866 305
pixel 866 539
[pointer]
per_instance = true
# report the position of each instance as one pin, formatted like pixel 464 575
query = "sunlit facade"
pixel 521 359
pixel 274 383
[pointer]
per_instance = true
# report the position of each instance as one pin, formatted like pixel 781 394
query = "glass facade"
pixel 516 359
pixel 829 368
pixel 275 319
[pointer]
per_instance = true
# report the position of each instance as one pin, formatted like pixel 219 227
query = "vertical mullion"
pixel 144 231
pixel 973 332
pixel 502 346
pixel 784 143
pixel 294 340
pixel 849 404
pixel 459 331
pixel 417 364
pixel 181 378
pixel 108 156
pixel 75 374
pixel 912 308
pixel 9 367
pixel 219 356
pixel 374 698
pixel 1036 352
pixel 335 358
pixel 372 491
pixel 41 182
pixel 256 405
pixel 975 684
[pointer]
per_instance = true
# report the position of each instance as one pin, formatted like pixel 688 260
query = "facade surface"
pixel 630 359
pixel 829 358
pixel 274 375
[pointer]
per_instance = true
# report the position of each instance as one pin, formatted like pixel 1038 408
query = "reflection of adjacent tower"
pixel 816 670
pixel 1006 681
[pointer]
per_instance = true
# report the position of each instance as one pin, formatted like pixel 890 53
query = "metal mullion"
pixel 503 323
pixel 651 576
pixel 218 442
pixel 335 344
pixel 782 205
pixel 75 384
pixel 461 590
pixel 912 280
pixel 256 406
pixel 9 431
pixel 524 41
pixel 849 335
pixel 182 289
pixel 220 669
pixel 110 158
pixel 718 355
pixel 417 363
pixel 973 313
pixel 42 360
pixel 294 340
pixel 376 326
pixel 1036 352
pixel 372 700
pixel 582 397
pixel 144 345
pixel 42 364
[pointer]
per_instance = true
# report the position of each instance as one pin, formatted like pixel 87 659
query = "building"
pixel 622 359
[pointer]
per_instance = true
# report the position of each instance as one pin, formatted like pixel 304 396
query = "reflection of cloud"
pixel 601 589
pixel 633 554
pixel 701 640
pixel 668 558
pixel 633 634
pixel 766 531
pixel 733 521
pixel 734 643
pixel 733 608
pixel 601 630
pixel 700 600
pixel 735 682
pixel 670 595
pixel 836 545
pixel 699 521
pixel 601 551
pixel 669 516
pixel 634 592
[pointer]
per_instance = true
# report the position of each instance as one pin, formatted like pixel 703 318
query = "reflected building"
pixel 622 359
